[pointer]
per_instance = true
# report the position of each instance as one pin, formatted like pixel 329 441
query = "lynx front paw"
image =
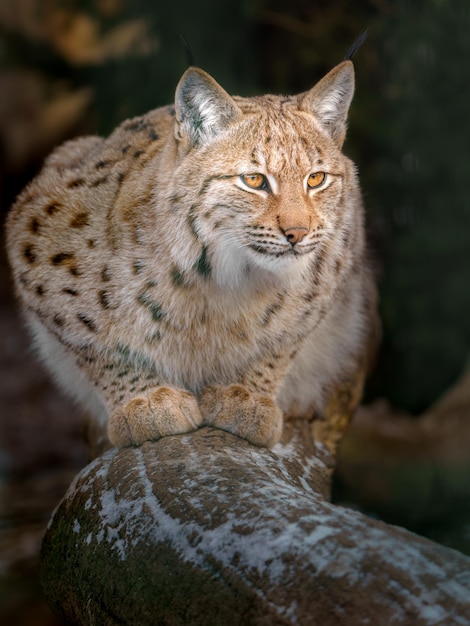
pixel 250 416
pixel 162 411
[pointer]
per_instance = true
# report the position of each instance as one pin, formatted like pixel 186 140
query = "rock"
pixel 205 529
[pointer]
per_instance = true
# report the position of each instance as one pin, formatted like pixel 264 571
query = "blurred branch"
pixel 412 470
pixel 34 118
pixel 79 38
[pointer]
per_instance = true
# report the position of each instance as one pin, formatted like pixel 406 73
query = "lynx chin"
pixel 204 265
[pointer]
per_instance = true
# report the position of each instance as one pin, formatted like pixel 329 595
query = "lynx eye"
pixel 255 181
pixel 316 180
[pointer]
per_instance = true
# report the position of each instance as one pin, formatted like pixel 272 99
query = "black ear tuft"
pixel 356 45
pixel 188 53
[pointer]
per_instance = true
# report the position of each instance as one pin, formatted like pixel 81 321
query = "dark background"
pixel 71 67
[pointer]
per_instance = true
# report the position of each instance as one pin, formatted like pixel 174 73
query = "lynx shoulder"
pixel 205 264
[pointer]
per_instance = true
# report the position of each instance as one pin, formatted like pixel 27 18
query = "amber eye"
pixel 254 181
pixel 316 179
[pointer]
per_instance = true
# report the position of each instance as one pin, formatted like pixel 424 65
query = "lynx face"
pixel 273 189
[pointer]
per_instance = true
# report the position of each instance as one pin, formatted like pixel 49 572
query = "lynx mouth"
pixel 287 252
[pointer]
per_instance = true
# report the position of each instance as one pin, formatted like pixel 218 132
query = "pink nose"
pixel 296 234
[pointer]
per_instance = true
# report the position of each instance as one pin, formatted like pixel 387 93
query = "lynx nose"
pixel 296 234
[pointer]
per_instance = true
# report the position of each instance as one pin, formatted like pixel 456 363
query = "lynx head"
pixel 268 185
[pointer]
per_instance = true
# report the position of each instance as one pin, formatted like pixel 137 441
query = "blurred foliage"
pixel 419 193
pixel 70 67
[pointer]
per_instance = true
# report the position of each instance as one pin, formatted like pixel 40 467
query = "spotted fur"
pixel 165 293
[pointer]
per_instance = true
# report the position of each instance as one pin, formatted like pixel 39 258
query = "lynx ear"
pixel 329 100
pixel 202 107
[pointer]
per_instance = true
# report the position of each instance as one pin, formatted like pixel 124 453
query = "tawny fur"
pixel 164 292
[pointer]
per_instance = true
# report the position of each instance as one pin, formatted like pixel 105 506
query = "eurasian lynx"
pixel 205 264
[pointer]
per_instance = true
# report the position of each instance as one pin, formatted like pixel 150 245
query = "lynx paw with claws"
pixel 248 415
pixel 160 412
